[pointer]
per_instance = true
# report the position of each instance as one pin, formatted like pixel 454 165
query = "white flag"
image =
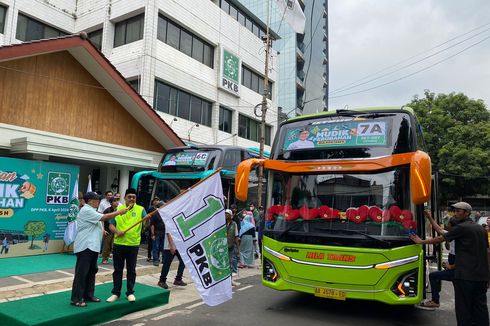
pixel 196 221
pixel 89 186
pixel 71 227
pixel 292 14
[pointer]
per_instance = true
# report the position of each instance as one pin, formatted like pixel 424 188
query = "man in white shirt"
pixel 303 141
pixel 104 203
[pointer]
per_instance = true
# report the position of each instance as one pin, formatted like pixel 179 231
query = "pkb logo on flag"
pixel 196 222
pixel 210 255
pixel 210 258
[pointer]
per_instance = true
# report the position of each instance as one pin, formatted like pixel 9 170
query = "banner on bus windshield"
pixel 186 158
pixel 336 134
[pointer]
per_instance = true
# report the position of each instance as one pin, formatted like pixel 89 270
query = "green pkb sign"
pixel 231 69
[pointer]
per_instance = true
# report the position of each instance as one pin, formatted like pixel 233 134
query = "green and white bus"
pixel 344 191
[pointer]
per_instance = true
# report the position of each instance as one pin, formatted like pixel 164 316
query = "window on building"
pixel 225 118
pixel 183 40
pixel 242 17
pixel 135 83
pixel 3 12
pixel 29 29
pixel 129 30
pixel 255 82
pixel 250 129
pixel 96 38
pixel 177 102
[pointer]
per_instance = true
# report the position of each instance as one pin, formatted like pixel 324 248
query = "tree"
pixel 34 229
pixel 457 133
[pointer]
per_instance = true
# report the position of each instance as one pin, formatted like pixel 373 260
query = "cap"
pixel 91 195
pixel 228 211
pixel 462 205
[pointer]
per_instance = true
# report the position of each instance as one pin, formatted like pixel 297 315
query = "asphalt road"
pixel 254 305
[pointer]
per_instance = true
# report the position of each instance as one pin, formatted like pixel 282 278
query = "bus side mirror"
pixel 420 177
pixel 242 176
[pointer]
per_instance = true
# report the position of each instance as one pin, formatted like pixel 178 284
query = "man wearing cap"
pixel 87 248
pixel 302 141
pixel 472 271
pixel 126 245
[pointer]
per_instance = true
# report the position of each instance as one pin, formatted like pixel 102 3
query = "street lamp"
pixel 226 138
pixel 190 130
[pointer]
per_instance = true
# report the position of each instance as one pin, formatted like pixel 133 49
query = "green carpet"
pixel 55 309
pixel 37 264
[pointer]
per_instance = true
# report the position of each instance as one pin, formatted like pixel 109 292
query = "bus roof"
pixel 372 109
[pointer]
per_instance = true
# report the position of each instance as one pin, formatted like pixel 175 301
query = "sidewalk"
pixel 35 284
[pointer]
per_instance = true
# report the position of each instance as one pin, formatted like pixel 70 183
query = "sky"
pixel 369 36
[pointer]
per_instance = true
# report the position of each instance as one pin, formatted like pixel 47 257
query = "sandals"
pixel 93 299
pixel 80 304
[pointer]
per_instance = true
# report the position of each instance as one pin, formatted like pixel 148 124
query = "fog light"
pixel 406 285
pixel 269 271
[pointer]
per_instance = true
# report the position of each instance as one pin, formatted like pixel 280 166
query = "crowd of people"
pixel 108 227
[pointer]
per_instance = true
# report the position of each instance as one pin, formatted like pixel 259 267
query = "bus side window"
pixel 232 159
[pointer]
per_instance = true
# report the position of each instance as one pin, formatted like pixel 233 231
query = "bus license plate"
pixel 330 293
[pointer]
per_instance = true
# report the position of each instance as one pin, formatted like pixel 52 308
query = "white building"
pixel 171 52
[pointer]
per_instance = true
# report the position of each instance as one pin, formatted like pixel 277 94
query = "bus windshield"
pixel 189 160
pixel 361 209
pixel 360 135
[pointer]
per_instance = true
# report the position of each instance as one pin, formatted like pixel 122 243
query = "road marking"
pixel 173 313
pixel 63 272
pixel 21 279
pixel 245 287
pixel 139 324
pixel 195 305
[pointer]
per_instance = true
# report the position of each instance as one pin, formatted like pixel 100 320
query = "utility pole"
pixel 267 43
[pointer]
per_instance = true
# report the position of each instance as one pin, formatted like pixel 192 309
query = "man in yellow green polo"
pixel 126 245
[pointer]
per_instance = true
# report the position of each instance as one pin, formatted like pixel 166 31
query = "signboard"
pixel 186 159
pixel 337 134
pixel 34 205
pixel 230 72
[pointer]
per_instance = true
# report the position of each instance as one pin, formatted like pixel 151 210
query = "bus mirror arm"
pixel 243 175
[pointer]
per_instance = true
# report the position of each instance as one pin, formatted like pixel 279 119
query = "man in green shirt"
pixel 126 245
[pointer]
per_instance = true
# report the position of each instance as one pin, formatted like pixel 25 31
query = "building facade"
pixel 197 63
pixel 302 58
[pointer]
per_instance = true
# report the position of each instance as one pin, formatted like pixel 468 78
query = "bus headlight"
pixel 406 285
pixel 269 271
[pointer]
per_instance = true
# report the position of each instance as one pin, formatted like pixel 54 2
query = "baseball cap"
pixel 462 205
pixel 91 195
pixel 228 211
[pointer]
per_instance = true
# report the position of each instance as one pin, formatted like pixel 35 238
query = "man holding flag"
pixel 127 230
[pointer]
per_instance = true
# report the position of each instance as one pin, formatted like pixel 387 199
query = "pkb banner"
pixel 34 205
pixel 196 221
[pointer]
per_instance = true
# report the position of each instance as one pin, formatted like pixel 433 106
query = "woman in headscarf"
pixel 247 240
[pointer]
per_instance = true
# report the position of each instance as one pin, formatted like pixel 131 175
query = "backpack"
pixel 70 232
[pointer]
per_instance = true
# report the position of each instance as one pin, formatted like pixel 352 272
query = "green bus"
pixel 344 190
pixel 182 167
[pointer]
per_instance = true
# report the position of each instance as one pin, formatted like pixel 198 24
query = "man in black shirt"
pixel 472 272
pixel 157 233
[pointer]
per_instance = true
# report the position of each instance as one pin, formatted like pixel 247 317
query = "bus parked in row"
pixel 344 191
pixel 182 167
